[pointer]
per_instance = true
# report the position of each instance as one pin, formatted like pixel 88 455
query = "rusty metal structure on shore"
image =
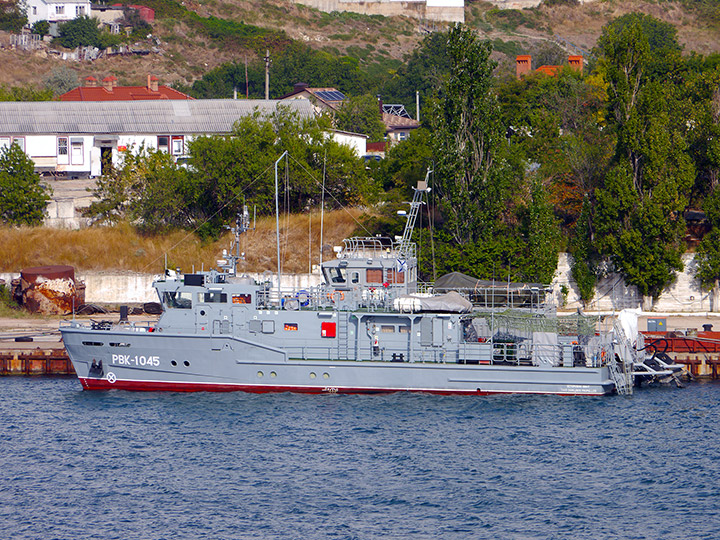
pixel 36 362
pixel 49 289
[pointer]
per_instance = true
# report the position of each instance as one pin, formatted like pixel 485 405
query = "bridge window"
pixel 212 297
pixel 241 299
pixel 180 300
pixel 336 275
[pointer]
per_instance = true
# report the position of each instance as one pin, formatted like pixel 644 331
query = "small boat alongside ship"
pixel 371 327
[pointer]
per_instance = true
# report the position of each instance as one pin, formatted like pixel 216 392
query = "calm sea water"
pixel 76 465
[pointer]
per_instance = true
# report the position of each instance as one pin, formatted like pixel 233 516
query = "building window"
pixel 4 142
pixel 34 10
pixel 163 143
pixel 178 146
pixel 62 146
pixel 79 11
pixel 60 10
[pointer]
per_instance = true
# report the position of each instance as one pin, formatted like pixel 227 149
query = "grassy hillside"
pixel 192 44
pixel 122 248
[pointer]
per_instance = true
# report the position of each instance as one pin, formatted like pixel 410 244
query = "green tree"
pixel 60 80
pixel 24 197
pixel 361 114
pixel 405 164
pixel 707 255
pixel 41 28
pixel 229 170
pixel 638 220
pixel 585 258
pixel 543 235
pixel 81 31
pixel 12 16
pixel 473 177
pixel 423 72
pixel 24 93
pixel 148 189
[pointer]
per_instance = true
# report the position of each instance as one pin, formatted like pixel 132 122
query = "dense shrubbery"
pixel 23 198
pixel 12 16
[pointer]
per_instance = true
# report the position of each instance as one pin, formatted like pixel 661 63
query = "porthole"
pixel 273 374
pixel 187 364
pixel 326 375
pixel 312 375
pixel 173 363
pixel 202 312
pixel 260 374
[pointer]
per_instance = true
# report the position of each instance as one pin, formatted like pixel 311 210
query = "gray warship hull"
pixel 134 358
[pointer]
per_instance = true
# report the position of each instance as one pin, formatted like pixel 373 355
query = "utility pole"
pixel 247 83
pixel 267 74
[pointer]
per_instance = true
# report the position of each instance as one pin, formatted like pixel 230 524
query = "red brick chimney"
pixel 152 83
pixel 523 65
pixel 91 82
pixel 576 62
pixel 109 83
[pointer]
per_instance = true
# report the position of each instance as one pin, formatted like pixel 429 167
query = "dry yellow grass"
pixel 122 248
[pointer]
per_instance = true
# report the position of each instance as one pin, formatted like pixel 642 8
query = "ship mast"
pixel 415 205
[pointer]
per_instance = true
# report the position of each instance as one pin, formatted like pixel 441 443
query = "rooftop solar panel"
pixel 330 95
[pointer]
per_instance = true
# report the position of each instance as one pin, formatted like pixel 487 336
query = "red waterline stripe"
pixel 163 386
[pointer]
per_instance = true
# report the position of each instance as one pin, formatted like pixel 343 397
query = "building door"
pixel 76 152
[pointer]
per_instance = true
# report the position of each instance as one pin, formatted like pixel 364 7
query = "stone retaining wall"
pixel 684 296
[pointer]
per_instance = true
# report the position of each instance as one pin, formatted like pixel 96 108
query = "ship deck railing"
pixel 372 299
pixel 135 326
pixel 376 248
pixel 480 353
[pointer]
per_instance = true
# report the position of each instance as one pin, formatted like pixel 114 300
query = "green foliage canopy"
pixel 12 16
pixel 361 114
pixel 41 28
pixel 24 197
pixel 147 188
pixel 638 219
pixel 81 31
pixel 472 175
